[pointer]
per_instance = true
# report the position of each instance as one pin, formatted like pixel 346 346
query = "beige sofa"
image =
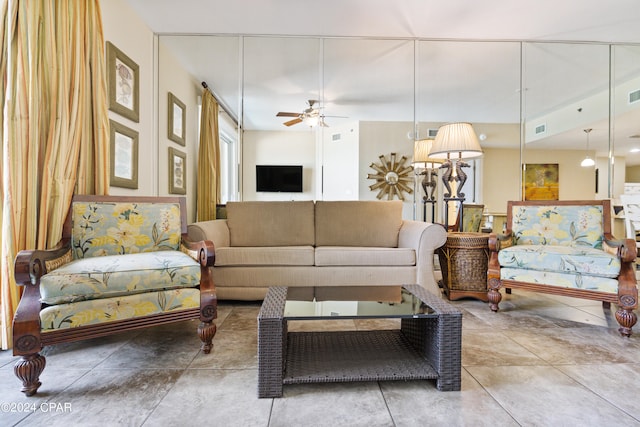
pixel 306 244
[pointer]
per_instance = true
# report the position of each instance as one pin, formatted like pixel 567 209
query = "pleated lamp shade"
pixel 457 140
pixel 421 157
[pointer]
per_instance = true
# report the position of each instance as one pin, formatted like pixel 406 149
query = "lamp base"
pixel 448 176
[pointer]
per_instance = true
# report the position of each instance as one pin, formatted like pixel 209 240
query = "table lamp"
pixel 455 141
pixel 421 160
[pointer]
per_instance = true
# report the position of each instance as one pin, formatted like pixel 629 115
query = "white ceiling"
pixel 585 20
pixel 366 79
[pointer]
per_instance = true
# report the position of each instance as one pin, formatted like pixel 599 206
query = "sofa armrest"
pixel 424 238
pixel 215 230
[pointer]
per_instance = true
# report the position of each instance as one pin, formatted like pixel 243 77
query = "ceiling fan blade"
pixel 293 122
pixel 284 114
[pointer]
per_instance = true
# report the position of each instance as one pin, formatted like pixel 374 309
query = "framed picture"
pixel 177 171
pixel 540 181
pixel 123 78
pixel 124 156
pixel 176 120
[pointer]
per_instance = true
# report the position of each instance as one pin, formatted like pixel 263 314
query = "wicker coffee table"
pixel 427 345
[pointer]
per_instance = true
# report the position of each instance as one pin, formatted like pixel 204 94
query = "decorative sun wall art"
pixel 391 177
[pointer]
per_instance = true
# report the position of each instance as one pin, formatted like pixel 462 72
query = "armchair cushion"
pixel 558 225
pixel 115 275
pixel 104 310
pixel 108 228
pixel 565 259
pixel 561 280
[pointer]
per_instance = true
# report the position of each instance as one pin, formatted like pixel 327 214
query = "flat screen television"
pixel 279 178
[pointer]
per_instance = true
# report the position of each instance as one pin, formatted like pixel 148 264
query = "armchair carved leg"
pixel 206 332
pixel 28 370
pixel 493 294
pixel 624 315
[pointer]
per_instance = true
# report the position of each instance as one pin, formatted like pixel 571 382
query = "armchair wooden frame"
pixel 625 249
pixel 31 265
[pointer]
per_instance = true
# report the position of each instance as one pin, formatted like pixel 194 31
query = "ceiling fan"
pixel 310 115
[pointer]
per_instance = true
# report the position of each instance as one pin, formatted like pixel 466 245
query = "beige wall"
pixel 123 28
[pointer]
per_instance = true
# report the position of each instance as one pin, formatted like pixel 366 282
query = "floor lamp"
pixel 425 166
pixel 455 142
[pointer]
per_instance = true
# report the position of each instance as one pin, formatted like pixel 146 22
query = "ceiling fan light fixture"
pixel 311 120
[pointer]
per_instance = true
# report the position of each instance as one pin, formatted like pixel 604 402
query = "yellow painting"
pixel 540 181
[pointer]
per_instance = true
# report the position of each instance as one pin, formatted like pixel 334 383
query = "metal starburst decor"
pixel 391 177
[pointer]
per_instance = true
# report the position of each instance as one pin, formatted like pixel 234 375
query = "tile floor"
pixel 540 361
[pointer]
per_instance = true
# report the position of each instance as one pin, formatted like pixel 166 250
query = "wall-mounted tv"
pixel 279 178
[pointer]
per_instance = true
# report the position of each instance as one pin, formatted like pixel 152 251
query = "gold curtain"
pixel 55 129
pixel 208 185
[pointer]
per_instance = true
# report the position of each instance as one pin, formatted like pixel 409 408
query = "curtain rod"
pixel 220 103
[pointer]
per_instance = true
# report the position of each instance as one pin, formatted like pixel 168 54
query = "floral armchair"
pixel 123 263
pixel 565 248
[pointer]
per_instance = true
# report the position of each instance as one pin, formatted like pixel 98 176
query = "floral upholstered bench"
pixel 123 263
pixel 564 248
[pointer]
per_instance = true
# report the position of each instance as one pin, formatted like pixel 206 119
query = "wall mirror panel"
pixel 475 82
pixel 281 87
pixel 368 99
pixel 214 60
pixel 626 118
pixel 565 107
pixel 529 102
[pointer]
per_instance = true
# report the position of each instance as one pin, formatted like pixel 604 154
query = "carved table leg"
pixel 206 332
pixel 28 370
pixel 493 294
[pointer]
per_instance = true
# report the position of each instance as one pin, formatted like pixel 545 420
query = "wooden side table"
pixel 464 260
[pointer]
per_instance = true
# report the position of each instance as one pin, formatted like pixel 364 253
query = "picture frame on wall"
pixel 540 181
pixel 177 171
pixel 123 80
pixel 124 156
pixel 177 112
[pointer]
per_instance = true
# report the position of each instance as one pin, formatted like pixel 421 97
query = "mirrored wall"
pixel 544 106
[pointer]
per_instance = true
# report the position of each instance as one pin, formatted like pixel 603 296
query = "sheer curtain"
pixel 208 185
pixel 55 129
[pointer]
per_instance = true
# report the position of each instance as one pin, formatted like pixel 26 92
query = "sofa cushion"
pixel 108 276
pixel 336 255
pixel 563 280
pixel 358 223
pixel 252 256
pixel 271 223
pixel 583 259
pixel 117 308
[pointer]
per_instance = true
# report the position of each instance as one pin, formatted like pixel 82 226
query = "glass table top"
pixel 368 302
